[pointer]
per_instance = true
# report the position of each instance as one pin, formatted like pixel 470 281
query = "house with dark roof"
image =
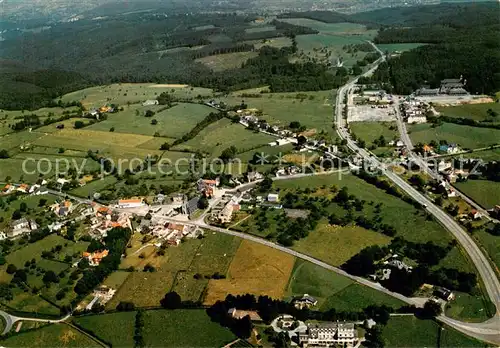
pixel 304 301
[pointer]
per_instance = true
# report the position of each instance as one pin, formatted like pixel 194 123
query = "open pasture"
pixel 477 112
pixel 223 134
pixel 398 47
pixel 484 192
pixel 114 145
pixel 341 29
pixel 312 109
pixel 172 123
pixel 370 131
pixel 183 328
pixel 144 289
pixel 55 335
pixel 335 245
pixel 256 269
pixel 466 136
pixel 132 93
pixel 226 61
pixel 116 329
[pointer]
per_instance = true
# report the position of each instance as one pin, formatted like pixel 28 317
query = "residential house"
pixel 178 199
pixel 23 188
pixel 474 214
pixel 3 236
pixel 400 143
pixel 444 294
pixel 304 301
pixel 62 209
pixel 130 203
pixel 208 187
pixel 62 181
pixel 443 165
pixel 329 335
pixel 104 293
pixel 240 314
pixel 8 189
pixel 150 102
pixel 19 227
pixel 96 257
pixel 453 149
pixel 254 176
pixel 273 197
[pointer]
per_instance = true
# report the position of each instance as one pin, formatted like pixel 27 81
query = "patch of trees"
pixel 292 30
pixel 138 327
pixel 426 255
pixel 115 242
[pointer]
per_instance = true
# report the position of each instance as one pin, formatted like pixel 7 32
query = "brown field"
pixel 256 269
pixel 300 158
pixel 144 289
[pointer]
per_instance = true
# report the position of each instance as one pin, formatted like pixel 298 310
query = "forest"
pixel 148 47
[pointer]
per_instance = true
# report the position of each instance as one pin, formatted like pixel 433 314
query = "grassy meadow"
pixel 223 134
pixel 116 329
pixel 172 123
pixel 477 112
pixel 484 192
pixel 227 61
pixel 467 137
pixel 333 290
pixel 370 131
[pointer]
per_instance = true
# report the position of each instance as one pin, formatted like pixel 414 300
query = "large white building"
pixel 130 203
pixel 329 335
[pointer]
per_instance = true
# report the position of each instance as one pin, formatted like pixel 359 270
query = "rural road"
pixel 488 331
pixel 423 164
pixel 10 320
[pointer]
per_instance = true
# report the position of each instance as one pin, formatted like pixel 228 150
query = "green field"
pixel 476 112
pixel 55 335
pixel 94 186
pixel 408 331
pixel 183 328
pixel 312 109
pixel 467 137
pixel 401 47
pixel 485 155
pixel 333 290
pixel 172 123
pixel 223 134
pixel 226 61
pixel 132 93
pixel 370 131
pixel 492 245
pixel 484 192
pixel 116 329
pixel 394 211
pixel 260 28
pixel 341 29
pixel 347 241
pixel 470 308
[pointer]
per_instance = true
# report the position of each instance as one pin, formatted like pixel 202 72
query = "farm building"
pixel 329 335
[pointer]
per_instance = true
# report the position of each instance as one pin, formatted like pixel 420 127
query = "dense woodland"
pixel 148 47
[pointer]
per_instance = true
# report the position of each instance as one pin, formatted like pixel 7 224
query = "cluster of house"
pixel 171 233
pixel 24 188
pixel 449 149
pixel 390 262
pixel 208 187
pixel 96 112
pixel 247 118
pixel 448 87
pixel 104 219
pixel 62 209
pixel 19 227
pixel 414 111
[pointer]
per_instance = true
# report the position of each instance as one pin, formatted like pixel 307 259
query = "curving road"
pixel 488 331
pixel 10 320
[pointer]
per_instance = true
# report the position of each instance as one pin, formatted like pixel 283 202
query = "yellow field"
pixel 144 289
pixel 116 145
pixel 300 158
pixel 255 269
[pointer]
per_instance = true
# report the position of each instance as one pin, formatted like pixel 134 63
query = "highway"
pixel 487 331
pixel 424 165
